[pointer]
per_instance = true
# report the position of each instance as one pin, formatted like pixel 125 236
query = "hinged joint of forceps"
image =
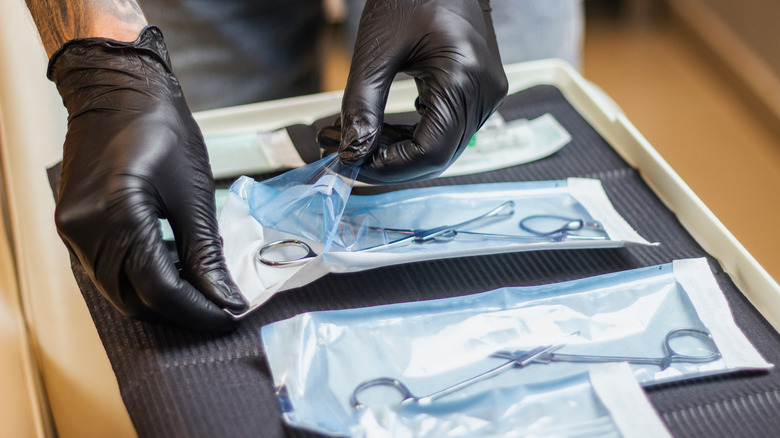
pixel 507 209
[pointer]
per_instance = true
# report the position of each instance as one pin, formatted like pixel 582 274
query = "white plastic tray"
pixel 599 110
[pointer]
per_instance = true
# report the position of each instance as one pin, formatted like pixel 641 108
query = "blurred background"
pixel 700 79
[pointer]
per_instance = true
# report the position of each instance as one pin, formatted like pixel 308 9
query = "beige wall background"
pixel 756 22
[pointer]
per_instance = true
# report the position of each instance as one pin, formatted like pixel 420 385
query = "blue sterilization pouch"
pixel 290 230
pixel 333 368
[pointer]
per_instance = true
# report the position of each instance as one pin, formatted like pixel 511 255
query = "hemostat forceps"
pixel 445 232
pixel 670 354
pixel 561 227
pixel 519 361
pixel 546 354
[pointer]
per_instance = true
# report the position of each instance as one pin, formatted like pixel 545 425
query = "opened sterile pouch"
pixel 311 210
pixel 320 360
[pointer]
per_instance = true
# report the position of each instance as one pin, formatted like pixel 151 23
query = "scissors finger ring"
pixel 403 390
pixel 275 247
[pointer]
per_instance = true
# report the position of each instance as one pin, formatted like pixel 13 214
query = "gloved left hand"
pixel 450 49
pixel 133 154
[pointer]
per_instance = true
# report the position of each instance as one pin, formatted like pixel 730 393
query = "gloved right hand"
pixel 450 49
pixel 133 154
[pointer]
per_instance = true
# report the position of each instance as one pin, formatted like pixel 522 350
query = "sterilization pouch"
pixel 290 230
pixel 454 361
pixel 498 144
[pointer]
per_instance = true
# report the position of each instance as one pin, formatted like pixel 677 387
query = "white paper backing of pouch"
pixel 631 411
pixel 258 282
pixel 713 310
pixel 243 237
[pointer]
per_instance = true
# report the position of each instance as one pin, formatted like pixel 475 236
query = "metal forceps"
pixel 264 255
pixel 516 361
pixel 546 354
pixel 444 232
pixel 560 227
pixel 670 353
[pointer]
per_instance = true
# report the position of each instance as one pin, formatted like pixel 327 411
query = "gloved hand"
pixel 449 47
pixel 133 154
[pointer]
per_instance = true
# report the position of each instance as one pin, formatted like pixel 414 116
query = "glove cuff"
pixel 85 67
pixel 92 52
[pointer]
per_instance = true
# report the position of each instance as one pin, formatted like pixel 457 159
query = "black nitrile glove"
pixel 133 154
pixel 449 47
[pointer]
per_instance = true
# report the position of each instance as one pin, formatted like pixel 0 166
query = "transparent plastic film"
pixel 466 218
pixel 305 203
pixel 273 231
pixel 458 361
pixel 605 401
pixel 500 143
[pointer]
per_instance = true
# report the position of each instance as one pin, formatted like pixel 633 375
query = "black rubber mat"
pixel 181 383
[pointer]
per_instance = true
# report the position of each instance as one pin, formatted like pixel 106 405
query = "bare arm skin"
pixel 59 21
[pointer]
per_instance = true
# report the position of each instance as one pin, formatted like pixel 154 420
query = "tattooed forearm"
pixel 59 21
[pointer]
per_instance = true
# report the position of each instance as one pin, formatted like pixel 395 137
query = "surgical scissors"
pixel 546 354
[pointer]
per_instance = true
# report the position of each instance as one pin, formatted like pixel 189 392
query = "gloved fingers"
pixel 329 137
pixel 375 62
pixel 445 127
pixel 156 281
pixel 454 101
pixel 362 122
pixel 449 47
pixel 119 293
pixel 133 269
pixel 198 243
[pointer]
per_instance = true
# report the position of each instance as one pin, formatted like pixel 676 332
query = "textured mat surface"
pixel 180 383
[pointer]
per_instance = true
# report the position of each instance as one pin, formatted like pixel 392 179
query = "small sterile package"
pixel 290 230
pixel 515 361
pixel 499 143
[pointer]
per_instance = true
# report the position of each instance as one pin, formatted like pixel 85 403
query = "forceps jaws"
pixel 444 231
